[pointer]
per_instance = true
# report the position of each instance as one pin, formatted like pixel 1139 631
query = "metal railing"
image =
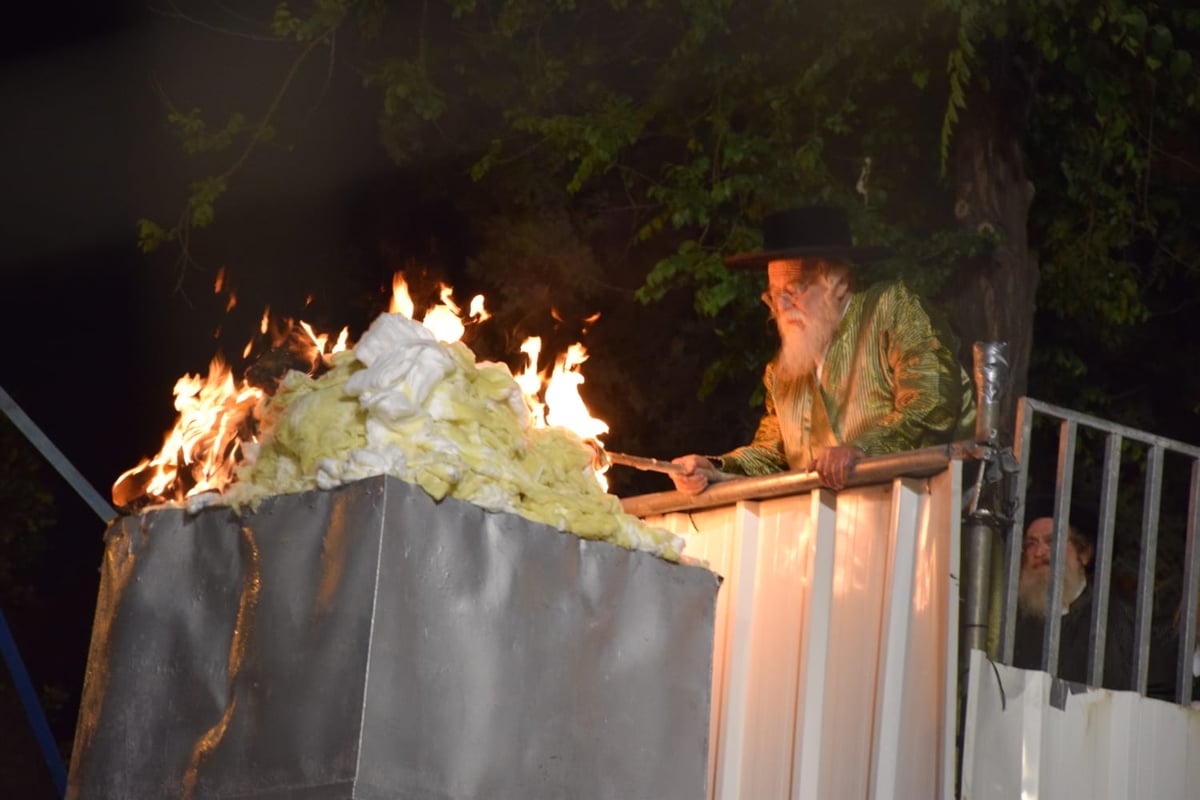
pixel 1071 423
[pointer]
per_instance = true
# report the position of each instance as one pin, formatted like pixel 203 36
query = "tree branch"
pixel 173 11
pixel 181 232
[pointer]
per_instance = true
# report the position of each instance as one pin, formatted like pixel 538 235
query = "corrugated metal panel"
pixel 834 671
pixel 1031 736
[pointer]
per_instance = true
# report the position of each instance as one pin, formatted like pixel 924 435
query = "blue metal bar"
pixel 12 656
pixel 33 708
pixel 52 454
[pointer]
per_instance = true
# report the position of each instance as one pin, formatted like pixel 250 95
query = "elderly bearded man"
pixel 1033 599
pixel 858 373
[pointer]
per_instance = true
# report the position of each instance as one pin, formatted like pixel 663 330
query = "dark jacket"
pixel 1073 642
pixel 1164 655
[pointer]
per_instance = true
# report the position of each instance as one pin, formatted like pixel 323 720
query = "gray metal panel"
pixel 368 642
pixel 526 663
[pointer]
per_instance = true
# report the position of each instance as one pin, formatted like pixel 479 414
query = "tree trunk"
pixel 992 298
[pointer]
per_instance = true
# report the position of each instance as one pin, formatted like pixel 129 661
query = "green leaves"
pixel 151 235
pixel 203 200
pixel 325 17
pixel 591 142
pixel 197 138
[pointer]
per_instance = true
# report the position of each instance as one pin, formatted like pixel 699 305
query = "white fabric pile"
pixel 406 405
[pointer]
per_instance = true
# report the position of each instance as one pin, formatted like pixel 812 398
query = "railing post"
pixel 991 379
pixel 978 534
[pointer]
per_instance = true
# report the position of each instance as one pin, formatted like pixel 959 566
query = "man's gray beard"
pixel 801 349
pixel 1033 590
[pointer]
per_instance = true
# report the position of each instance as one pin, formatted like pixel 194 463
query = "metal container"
pixel 370 642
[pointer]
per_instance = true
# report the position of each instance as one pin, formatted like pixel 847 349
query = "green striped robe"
pixel 890 382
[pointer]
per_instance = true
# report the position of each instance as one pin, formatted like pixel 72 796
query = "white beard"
pixel 1033 590
pixel 805 343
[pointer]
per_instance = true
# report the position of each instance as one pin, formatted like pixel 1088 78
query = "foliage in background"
pixel 690 119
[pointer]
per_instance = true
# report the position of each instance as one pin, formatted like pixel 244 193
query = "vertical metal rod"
pixel 1191 587
pixel 1016 531
pixel 1058 553
pixel 1145 600
pixel 1102 569
pixel 991 380
pixel 977 572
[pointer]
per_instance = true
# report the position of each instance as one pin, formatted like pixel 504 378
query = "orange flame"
pixel 555 401
pixel 402 302
pixel 445 319
pixel 565 407
pixel 530 382
pixel 202 451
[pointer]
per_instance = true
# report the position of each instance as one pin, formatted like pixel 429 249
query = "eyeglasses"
pixel 791 292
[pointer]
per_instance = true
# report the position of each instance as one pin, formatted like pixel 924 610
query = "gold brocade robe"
pixel 889 382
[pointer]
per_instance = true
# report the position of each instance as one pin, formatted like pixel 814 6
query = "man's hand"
pixel 835 465
pixel 689 482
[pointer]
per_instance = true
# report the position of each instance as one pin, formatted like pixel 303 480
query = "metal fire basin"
pixel 370 642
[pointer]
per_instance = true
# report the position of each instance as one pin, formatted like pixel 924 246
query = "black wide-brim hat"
pixel 813 232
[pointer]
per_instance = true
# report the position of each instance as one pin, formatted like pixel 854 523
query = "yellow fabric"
pixel 890 382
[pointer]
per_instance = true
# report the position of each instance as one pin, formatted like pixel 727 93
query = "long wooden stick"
pixel 668 467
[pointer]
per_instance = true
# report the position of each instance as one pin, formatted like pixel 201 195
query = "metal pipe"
pixel 978 533
pixel 991 380
pixel 1016 530
pixel 33 707
pixel 1151 506
pixel 1191 588
pixel 57 460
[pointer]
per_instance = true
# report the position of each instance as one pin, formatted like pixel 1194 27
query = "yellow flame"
pixel 401 300
pixel 477 312
pixel 565 407
pixel 530 382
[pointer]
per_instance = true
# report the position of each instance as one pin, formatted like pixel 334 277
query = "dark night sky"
pixel 96 333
